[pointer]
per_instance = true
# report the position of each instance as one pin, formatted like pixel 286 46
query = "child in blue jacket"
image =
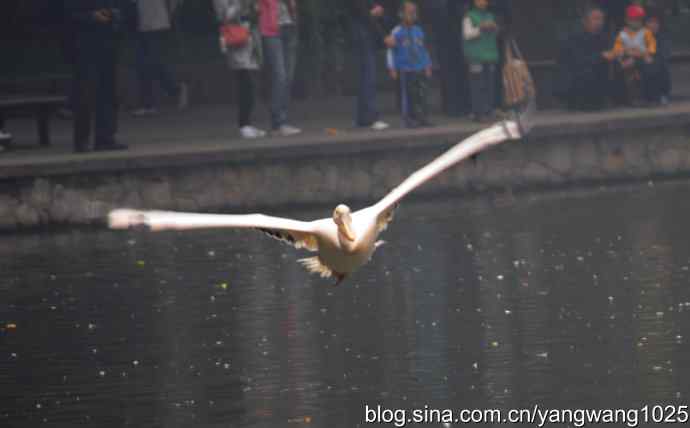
pixel 410 63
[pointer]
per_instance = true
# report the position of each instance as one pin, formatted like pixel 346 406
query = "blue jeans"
pixel 280 53
pixel 151 67
pixel 365 46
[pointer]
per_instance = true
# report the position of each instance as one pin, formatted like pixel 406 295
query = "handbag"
pixel 234 35
pixel 518 85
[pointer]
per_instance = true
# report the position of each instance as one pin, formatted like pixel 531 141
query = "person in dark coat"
pixel 98 26
pixel 443 15
pixel 583 65
pixel 369 30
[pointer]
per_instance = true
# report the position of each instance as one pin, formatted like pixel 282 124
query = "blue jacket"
pixel 409 53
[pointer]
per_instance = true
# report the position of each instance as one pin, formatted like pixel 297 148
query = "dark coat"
pixel 580 59
pixel 79 13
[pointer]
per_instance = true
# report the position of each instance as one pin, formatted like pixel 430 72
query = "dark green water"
pixel 569 300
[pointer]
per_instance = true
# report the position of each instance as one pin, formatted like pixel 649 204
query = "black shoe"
pixel 110 147
pixel 81 148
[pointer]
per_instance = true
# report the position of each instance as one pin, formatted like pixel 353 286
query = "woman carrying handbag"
pixel 241 43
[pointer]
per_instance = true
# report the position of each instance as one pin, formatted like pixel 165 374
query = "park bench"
pixel 41 107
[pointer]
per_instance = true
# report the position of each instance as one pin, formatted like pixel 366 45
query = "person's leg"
pixel 81 90
pixel 275 59
pixel 290 36
pixel 106 95
pixel 664 81
pixel 144 69
pixel 491 88
pixel 403 77
pixel 245 97
pixel 476 89
pixel 413 95
pixel 161 70
pixel 422 91
pixel 651 82
pixel 367 113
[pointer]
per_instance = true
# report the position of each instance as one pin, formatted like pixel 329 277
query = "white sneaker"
pixel 379 125
pixel 183 97
pixel 5 135
pixel 251 132
pixel 144 111
pixel 287 130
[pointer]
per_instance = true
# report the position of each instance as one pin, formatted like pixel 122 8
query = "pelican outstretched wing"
pixel 297 233
pixel 498 133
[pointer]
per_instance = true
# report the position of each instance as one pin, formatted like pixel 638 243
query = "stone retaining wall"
pixel 555 154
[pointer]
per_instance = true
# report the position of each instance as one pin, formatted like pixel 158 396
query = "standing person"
pixel 245 60
pixel 410 63
pixel 480 31
pixel 152 36
pixel 658 86
pixel 368 34
pixel 98 26
pixel 583 59
pixel 278 25
pixel 450 65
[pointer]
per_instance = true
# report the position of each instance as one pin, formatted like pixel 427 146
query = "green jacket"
pixel 482 49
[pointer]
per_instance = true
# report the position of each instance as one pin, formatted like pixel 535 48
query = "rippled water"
pixel 576 299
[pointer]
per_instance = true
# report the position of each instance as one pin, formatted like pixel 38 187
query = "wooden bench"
pixel 41 107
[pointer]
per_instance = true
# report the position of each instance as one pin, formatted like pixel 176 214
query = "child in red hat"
pixel 635 48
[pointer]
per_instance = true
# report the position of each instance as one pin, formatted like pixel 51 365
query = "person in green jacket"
pixel 481 53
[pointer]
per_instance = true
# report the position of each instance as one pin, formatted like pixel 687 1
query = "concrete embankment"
pixel 321 168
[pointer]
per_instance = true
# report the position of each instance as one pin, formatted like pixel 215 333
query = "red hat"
pixel 635 11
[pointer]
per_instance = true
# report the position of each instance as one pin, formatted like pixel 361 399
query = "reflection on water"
pixel 567 300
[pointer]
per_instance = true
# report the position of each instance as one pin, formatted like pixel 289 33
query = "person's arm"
pixel 390 55
pixel 650 42
pixel 618 49
pixel 80 13
pixel 469 30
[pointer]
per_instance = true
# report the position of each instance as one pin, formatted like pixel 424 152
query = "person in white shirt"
pixel 153 32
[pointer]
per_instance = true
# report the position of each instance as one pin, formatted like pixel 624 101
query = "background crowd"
pixel 631 69
pixel 604 63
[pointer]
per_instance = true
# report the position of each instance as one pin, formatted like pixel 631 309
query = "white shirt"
pixel 154 15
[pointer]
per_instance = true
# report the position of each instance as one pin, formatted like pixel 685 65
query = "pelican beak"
pixel 346 229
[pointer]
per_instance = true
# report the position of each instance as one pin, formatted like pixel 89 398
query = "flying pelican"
pixel 347 240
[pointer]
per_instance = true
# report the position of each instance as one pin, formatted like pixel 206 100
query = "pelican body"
pixel 344 242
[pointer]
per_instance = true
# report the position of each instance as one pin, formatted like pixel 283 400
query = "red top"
pixel 269 11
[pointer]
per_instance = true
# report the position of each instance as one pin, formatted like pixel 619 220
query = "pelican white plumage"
pixel 344 242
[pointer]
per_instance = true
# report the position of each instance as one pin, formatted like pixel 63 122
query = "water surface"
pixel 576 299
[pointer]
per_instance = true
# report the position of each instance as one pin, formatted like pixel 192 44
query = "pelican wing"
pixel 496 134
pixel 297 233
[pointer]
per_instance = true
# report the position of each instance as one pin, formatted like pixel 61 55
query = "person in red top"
pixel 278 27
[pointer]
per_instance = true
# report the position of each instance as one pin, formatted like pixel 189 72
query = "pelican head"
pixel 342 216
